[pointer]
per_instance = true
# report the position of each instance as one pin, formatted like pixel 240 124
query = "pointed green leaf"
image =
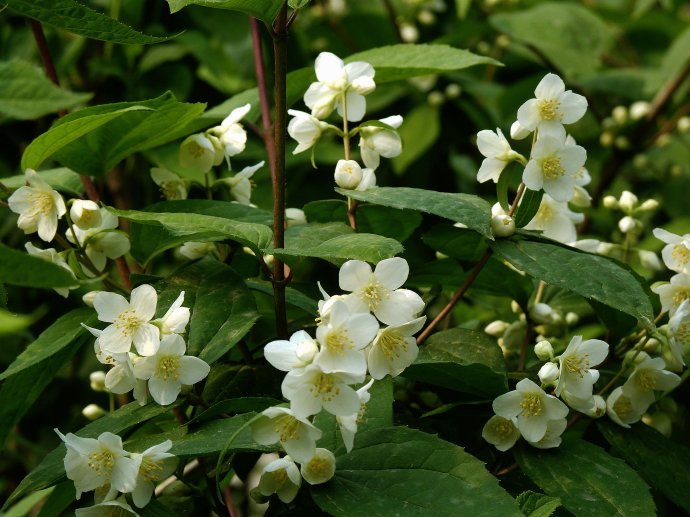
pixel 529 207
pixel 62 179
pixel 587 479
pixel 413 474
pixel 77 18
pixel 18 268
pixel 533 504
pixel 265 10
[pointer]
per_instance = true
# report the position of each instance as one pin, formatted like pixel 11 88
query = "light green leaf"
pixel 570 36
pixel 265 10
pixel 80 19
pixel 662 463
pixel 464 360
pixel 24 506
pixel 395 62
pixel 62 179
pixel 469 210
pixel 414 474
pixel 533 504
pixel 196 227
pixel 11 323
pixel 17 268
pixel 28 94
pixel 587 479
pixel 590 276
pixel 59 499
pixel 420 130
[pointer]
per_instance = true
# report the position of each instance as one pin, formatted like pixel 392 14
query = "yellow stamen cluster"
pixel 577 364
pixel 531 404
pixel 101 461
pixel 680 296
pixel 552 168
pixel 682 334
pixel 41 202
pixel 324 387
pixel 622 407
pixel 168 367
pixel 196 150
pixel 319 466
pixel 645 380
pixel 279 476
pixel 373 293
pixel 150 470
pixel 392 344
pixel 287 427
pixel 337 342
pixel 503 428
pixel 549 109
pixel 127 322
pixel 680 254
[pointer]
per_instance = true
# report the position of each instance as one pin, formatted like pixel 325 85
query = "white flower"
pixel 556 220
pixel 295 216
pixel 199 153
pixel 598 408
pixel 171 185
pixel 497 152
pixel 548 374
pixel 281 477
pixel 175 319
pixel 39 206
pixel 343 338
pixel 154 464
pixel 348 424
pixel 85 214
pixel 306 129
pixel 311 389
pixel 379 292
pixel 501 432
pixel 552 107
pixel 673 294
pixel 679 331
pixel 130 320
pixel 338 81
pixel 51 255
pixel 240 186
pixel 649 376
pixel 121 379
pixel 394 349
pixel 553 166
pixel 169 369
pixel 576 363
pixel 296 434
pixel 92 463
pixel 113 508
pixel 348 174
pixel 231 134
pixel 291 355
pixel 628 202
pixel 620 408
pixel 552 438
pixel 195 250
pixel 101 242
pixel 375 142
pixel 676 253
pixel 532 407
pixel 368 180
pixel 320 468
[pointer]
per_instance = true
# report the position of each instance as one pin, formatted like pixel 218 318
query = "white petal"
pixel 532 428
pixel 399 307
pixel 172 344
pixel 164 392
pixel 392 272
pixel 356 106
pixel 109 305
pixel 490 169
pixel 113 340
pixel 281 355
pixel 508 404
pixel 143 301
pixel 193 369
pixel 532 176
pixel 328 67
pixel 344 403
pixel 353 275
pixel 550 87
pixel 573 107
pixel 528 115
pixel 236 115
pixel 146 339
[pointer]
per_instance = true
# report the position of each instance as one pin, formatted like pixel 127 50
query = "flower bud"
pixel 622 142
pixel 88 298
pixel 610 202
pixel 348 174
pixel 518 132
pixel 93 412
pixel 633 357
pixel 548 373
pixel 640 161
pixel 496 328
pixel 502 41
pixel 408 33
pixel 514 335
pixel 502 225
pixel 649 206
pixel 571 319
pixel 606 139
pixel 541 313
pixel 650 260
pixel 629 224
pixel 453 91
pixel 320 468
pixel 605 248
pixel 306 350
pixel 628 201
pixel 544 351
pixel 639 109
pixel 363 85
pixel 85 214
pixel 515 307
pixel 426 17
pixel 598 409
pixel 683 124
pixel 97 381
pixel 295 216
pixel 435 98
pixel 620 115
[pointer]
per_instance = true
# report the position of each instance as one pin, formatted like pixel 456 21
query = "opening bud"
pixel 544 351
pixel 598 409
pixel 610 202
pixel 93 412
pixel 348 174
pixel 548 374
pixel 496 328
pixel 502 225
pixel 97 381
pixel 320 468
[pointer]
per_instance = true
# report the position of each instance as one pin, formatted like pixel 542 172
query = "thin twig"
pixel 229 504
pixel 393 17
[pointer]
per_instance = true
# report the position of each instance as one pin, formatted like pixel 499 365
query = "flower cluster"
pixel 321 372
pixel 101 464
pixel 158 361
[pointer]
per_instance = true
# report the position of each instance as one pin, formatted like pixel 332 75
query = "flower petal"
pixel 392 272
pixel 109 305
pixel 353 275
pixel 143 300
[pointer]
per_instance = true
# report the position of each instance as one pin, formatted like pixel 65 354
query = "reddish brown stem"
pixel 393 17
pixel 44 51
pixel 229 503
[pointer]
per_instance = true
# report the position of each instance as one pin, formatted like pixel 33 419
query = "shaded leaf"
pixel 18 268
pixel 265 10
pixel 62 179
pixel 533 504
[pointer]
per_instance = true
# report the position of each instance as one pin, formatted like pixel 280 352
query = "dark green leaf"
pixel 533 504
pixel 292 295
pixel 17 268
pixel 58 500
pixel 458 243
pixel 469 210
pixel 419 132
pixel 463 360
pixel 265 10
pixel 528 207
pixel 502 190
pixel 587 479
pixel 410 473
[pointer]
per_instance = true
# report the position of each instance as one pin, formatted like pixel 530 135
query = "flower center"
pixel 169 190
pixel 680 296
pixel 646 380
pixel 168 367
pixel 337 342
pixel 682 333
pixel 373 293
pixel 681 254
pixel 287 426
pixel 41 202
pixel 196 150
pixel 127 322
pixel 552 168
pixel 531 404
pixel 545 212
pixel 504 428
pixel 319 466
pixel 577 364
pixel 622 407
pixel 324 387
pixel 101 461
pixel 279 476
pixel 548 109
pixel 392 344
pixel 150 469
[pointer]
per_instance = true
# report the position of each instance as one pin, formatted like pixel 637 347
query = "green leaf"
pixel 59 499
pixel 464 360
pixel 591 276
pixel 264 10
pixel 11 323
pixel 413 474
pixel 224 311
pixel 28 94
pixel 395 62
pixel 17 268
pixel 504 181
pixel 458 243
pixel 62 179
pixel 335 242
pixel 531 200
pixel 533 504
pixel 420 131
pixel 196 227
pixel 56 337
pixel 469 210
pixel 292 296
pixel 24 506
pixel 82 20
pixel 150 240
pixel 662 463
pixel 51 469
pixel 588 480
pixel 570 36
pixel 93 140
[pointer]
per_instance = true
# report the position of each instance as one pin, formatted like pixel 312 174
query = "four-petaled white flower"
pixel 130 320
pixel 154 464
pixel 552 107
pixel 532 407
pixel 320 468
pixel 556 220
pixel 231 134
pixel 379 292
pixel 621 409
pixel 171 185
pixel 375 141
pixel 200 152
pixel 169 368
pixel 38 205
pixel 240 185
pixel 281 477
pixel 497 154
pixel 647 377
pixel 101 242
pixel 295 354
pixel 576 362
pixel 339 86
pixel 296 434
pixel 553 166
pixel 306 129
pixel 92 463
pixel 348 424
pixel 501 432
pixel 394 349
pixel 51 255
pixel 676 253
pixel 85 213
pixel 671 295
